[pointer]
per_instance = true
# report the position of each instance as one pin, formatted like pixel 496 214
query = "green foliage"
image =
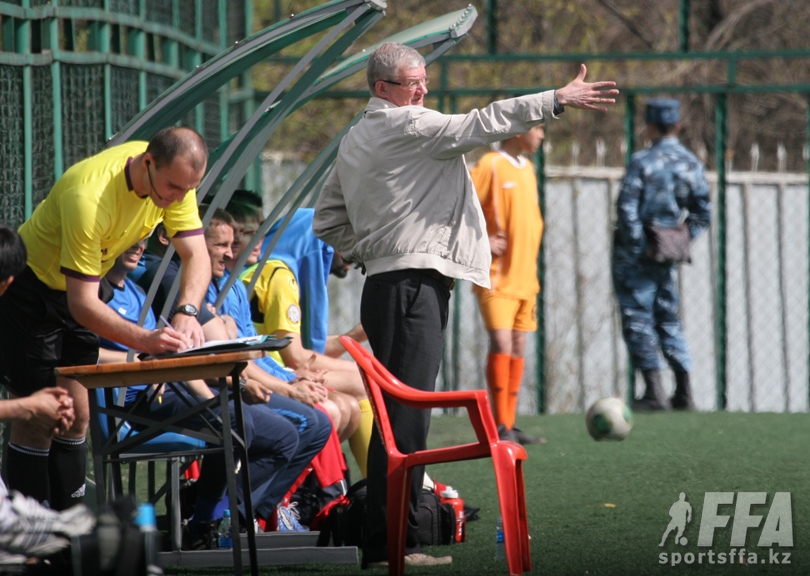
pixel 557 27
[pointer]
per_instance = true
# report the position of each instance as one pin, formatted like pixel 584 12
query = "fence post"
pixel 630 135
pixel 720 110
pixel 540 335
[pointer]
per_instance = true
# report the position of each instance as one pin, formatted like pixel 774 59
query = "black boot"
pixel 654 398
pixel 682 399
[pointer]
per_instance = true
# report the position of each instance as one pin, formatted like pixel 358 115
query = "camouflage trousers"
pixel 648 298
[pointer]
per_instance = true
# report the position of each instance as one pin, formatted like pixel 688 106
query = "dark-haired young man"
pixel 52 312
pixel 27 529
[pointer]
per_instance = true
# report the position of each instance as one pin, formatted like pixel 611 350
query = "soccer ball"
pixel 609 419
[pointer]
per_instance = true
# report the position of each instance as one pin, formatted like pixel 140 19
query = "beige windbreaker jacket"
pixel 400 195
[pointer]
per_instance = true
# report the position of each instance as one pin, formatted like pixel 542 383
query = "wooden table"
pixel 220 366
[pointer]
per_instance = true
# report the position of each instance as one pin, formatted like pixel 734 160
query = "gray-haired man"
pixel 401 201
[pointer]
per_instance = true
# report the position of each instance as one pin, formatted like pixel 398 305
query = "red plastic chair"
pixel 507 458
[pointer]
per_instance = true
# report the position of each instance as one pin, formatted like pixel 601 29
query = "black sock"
pixel 67 466
pixel 27 472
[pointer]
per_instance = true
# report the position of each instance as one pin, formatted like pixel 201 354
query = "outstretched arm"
pixel 587 95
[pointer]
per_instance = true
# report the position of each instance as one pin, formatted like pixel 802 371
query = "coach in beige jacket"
pixel 400 200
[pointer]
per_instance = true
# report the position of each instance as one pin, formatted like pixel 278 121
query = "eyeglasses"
pixel 409 85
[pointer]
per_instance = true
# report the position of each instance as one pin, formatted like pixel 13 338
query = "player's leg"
pixel 498 315
pixel 525 322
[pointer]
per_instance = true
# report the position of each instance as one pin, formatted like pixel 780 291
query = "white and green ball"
pixel 609 419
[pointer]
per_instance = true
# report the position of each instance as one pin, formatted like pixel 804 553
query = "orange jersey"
pixel 507 190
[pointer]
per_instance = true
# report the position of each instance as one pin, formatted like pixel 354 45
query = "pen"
pixel 163 319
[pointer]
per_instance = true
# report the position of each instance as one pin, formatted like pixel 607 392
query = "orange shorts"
pixel 503 313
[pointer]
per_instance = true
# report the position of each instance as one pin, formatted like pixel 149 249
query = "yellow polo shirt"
pixel 91 216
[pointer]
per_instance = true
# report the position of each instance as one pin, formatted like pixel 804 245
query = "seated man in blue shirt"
pixel 273 440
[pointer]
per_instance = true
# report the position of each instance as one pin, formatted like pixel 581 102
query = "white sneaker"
pixel 25 544
pixel 9 558
pixel 34 517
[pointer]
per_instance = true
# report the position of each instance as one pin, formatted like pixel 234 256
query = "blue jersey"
pixel 309 259
pixel 237 306
pixel 128 302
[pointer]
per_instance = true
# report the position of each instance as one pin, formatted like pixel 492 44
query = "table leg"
pixel 227 445
pixel 248 495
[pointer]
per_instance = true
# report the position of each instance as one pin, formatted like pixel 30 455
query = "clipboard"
pixel 260 342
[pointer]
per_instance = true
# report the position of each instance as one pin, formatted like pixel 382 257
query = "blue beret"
pixel 662 111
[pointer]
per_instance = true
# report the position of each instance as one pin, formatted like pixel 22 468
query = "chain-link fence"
pixel 584 358
pixel 73 75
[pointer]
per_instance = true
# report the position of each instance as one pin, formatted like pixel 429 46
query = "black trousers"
pixel 404 314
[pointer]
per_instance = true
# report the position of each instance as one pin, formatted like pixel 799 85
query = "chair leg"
pixel 398 501
pixel 511 492
pixel 523 517
pixel 133 470
pixel 150 480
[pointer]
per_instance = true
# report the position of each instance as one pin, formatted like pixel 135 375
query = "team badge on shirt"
pixel 294 314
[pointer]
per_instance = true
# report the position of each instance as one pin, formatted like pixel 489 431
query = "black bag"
pixel 310 498
pixel 436 521
pixel 668 245
pixel 341 521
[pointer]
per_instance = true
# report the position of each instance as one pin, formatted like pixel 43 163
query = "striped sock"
pixel 68 467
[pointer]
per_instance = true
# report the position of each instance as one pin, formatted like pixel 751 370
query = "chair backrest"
pixel 378 380
pixel 101 399
pixel 374 383
pixel 167 441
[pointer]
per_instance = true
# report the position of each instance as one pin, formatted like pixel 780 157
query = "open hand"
pixel 587 95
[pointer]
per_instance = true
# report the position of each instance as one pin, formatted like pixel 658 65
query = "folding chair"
pixel 507 458
pixel 122 446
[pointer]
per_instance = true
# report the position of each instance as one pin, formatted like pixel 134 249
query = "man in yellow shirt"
pixel 507 189
pixel 54 312
pixel 290 299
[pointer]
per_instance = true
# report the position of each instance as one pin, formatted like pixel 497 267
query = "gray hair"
pixel 388 59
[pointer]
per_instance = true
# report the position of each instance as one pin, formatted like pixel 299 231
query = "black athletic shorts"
pixel 37 334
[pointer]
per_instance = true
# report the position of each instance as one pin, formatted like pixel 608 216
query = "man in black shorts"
pixel 52 313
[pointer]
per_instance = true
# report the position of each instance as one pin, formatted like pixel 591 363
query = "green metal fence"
pixel 74 72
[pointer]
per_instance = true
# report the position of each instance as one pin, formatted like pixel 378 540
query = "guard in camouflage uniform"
pixel 663 184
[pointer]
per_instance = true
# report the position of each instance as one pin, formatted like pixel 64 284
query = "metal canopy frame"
pixel 441 33
pixel 362 14
pixel 170 106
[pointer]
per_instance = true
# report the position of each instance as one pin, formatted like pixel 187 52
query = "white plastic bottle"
pixel 225 539
pixel 500 550
pixel 450 496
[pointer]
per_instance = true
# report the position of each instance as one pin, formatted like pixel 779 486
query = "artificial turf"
pixel 601 508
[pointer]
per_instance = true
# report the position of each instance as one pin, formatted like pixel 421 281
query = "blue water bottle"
pixel 500 551
pixel 225 539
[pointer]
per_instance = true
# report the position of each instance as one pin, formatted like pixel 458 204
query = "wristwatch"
pixel 187 309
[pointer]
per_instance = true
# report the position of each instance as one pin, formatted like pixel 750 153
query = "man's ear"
pixel 4 284
pixel 381 89
pixel 163 237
